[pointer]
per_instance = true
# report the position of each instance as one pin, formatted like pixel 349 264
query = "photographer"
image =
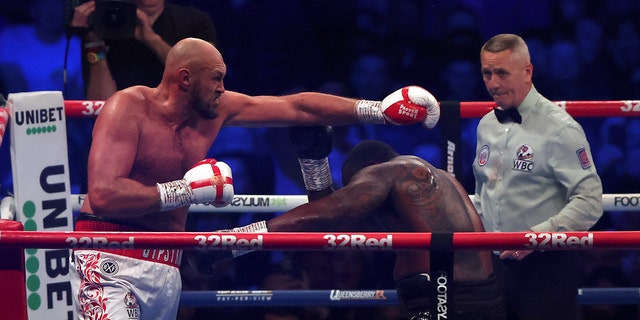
pixel 125 42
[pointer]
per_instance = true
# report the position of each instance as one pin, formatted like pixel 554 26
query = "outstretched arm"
pixel 312 108
pixel 307 108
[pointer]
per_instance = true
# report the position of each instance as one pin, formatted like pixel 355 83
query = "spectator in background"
pixel 624 47
pixel 621 144
pixel 565 70
pixel 463 31
pixel 461 80
pixel 271 47
pixel 565 14
pixel 370 76
pixel 538 43
pixel 430 152
pixel 630 260
pixel 410 53
pixel 13 12
pixel 114 62
pixel 595 78
pixel 33 57
pixel 622 150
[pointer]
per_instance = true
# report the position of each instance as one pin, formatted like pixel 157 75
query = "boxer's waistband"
pixel 89 222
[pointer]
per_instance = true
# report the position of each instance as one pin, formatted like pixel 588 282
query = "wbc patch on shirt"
pixel 524 159
pixel 483 156
pixel 583 157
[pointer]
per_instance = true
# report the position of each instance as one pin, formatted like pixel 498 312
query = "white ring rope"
pixel 281 203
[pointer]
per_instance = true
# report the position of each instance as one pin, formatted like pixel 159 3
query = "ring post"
pixel 41 185
pixel 13 296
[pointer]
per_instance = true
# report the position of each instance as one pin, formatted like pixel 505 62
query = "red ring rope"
pixel 319 241
pixel 607 108
pixel 473 109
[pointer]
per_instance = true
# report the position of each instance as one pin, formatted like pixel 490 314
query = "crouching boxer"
pixel 124 283
pixel 402 193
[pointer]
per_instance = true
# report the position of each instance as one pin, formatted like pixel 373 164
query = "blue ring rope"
pixel 349 298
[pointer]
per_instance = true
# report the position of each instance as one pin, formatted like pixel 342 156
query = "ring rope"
pixel 334 298
pixel 604 108
pixel 280 203
pixel 288 298
pixel 376 241
pixel 608 296
pixel 469 109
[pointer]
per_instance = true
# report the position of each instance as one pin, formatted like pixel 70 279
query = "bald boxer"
pixel 402 193
pixel 145 171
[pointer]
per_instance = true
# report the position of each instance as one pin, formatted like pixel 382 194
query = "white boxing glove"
pixel 405 106
pixel 208 181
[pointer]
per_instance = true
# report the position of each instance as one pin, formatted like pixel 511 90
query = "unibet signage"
pixel 40 169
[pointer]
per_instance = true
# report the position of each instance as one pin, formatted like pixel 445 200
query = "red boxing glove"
pixel 408 105
pixel 208 181
pixel 411 105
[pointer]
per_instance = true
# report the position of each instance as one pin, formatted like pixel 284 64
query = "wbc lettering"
pixel 522 165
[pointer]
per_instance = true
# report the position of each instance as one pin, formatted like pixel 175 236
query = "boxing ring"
pixel 13 238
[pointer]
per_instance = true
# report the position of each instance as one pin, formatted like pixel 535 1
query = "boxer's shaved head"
pixel 364 154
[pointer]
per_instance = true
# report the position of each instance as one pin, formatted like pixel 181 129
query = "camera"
pixel 114 19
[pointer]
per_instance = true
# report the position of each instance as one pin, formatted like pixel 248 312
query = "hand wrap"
pixel 313 145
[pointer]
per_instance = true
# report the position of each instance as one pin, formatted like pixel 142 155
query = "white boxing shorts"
pixel 111 286
pixel 121 284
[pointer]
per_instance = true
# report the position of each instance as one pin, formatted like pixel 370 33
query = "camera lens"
pixel 115 19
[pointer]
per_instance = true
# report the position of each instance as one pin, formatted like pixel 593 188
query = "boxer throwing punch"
pixel 402 193
pixel 145 140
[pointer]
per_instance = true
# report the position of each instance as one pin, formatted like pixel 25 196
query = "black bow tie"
pixel 510 114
